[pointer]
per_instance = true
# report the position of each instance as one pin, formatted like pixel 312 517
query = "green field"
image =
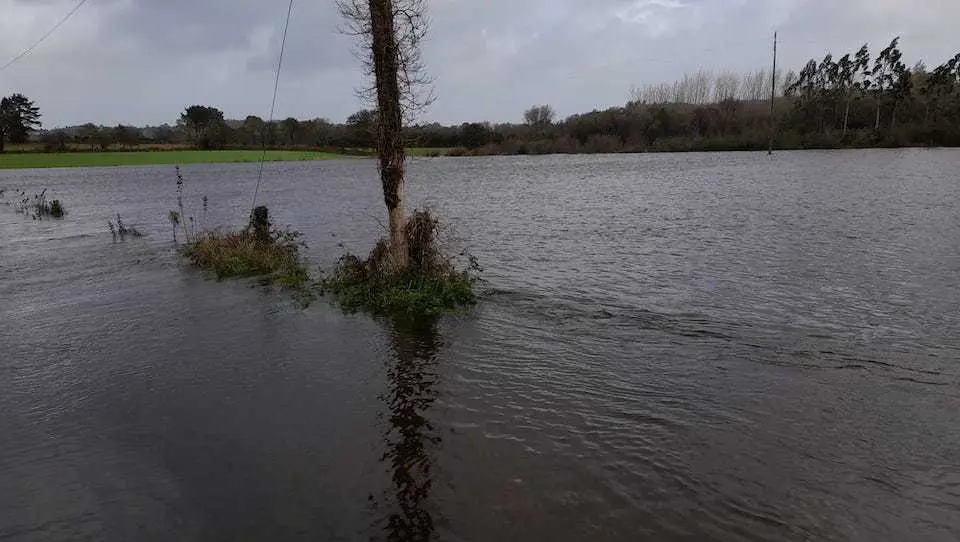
pixel 32 160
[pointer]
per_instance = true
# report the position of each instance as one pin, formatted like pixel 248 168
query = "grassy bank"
pixel 148 158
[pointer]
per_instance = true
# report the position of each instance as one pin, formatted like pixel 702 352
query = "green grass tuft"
pixel 429 286
pixel 411 292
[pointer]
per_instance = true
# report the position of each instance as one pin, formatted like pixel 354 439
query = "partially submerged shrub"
pixel 431 284
pixel 39 208
pixel 174 218
pixel 243 254
pixel 259 250
pixel 56 209
pixel 121 230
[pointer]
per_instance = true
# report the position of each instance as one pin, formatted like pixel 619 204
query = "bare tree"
pixel 390 32
pixel 726 86
pixel 410 26
pixel 653 94
pixel 772 80
pixel 539 116
pixel 658 94
pixel 702 87
pixel 752 86
pixel 680 89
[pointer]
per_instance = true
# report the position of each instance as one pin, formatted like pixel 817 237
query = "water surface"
pixel 691 346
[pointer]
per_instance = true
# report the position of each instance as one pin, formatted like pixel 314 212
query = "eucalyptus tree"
pixel 886 70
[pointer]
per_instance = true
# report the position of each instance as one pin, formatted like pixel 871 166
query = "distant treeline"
pixel 854 100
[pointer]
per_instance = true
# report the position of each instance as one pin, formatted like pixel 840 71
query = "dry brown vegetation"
pixel 243 254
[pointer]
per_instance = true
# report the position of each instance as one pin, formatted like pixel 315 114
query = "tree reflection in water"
pixel 411 380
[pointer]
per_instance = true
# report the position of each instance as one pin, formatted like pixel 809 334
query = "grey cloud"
pixel 186 26
pixel 140 61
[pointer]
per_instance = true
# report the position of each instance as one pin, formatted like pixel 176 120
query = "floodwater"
pixel 686 346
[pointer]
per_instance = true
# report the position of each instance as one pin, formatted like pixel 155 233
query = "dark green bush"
pixel 56 209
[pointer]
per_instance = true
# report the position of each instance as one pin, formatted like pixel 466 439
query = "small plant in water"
pixel 431 284
pixel 38 207
pixel 179 217
pixel 121 230
pixel 174 218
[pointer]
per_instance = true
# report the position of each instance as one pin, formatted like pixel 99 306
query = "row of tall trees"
pixel 706 87
pixel 854 99
pixel 876 93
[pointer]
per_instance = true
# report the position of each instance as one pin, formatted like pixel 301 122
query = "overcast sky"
pixel 143 61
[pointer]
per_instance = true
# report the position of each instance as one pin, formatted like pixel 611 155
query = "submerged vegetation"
pixel 55 209
pixel 430 283
pixel 243 254
pixel 259 250
pixel 37 205
pixel 120 230
pixel 256 251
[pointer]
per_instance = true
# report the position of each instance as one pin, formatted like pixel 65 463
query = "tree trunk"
pixel 390 138
pixel 3 138
pixel 876 126
pixel 846 118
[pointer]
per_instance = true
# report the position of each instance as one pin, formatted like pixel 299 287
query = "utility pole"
pixel 773 97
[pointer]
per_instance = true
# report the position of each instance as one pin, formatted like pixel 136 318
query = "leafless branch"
pixel 411 26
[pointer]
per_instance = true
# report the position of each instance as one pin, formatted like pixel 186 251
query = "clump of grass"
pixel 39 208
pixel 430 285
pixel 259 250
pixel 121 230
pixel 243 254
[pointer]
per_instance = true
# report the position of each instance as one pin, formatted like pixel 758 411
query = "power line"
pixel 30 49
pixel 273 104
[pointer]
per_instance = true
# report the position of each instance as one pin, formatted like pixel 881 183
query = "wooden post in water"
pixel 773 97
